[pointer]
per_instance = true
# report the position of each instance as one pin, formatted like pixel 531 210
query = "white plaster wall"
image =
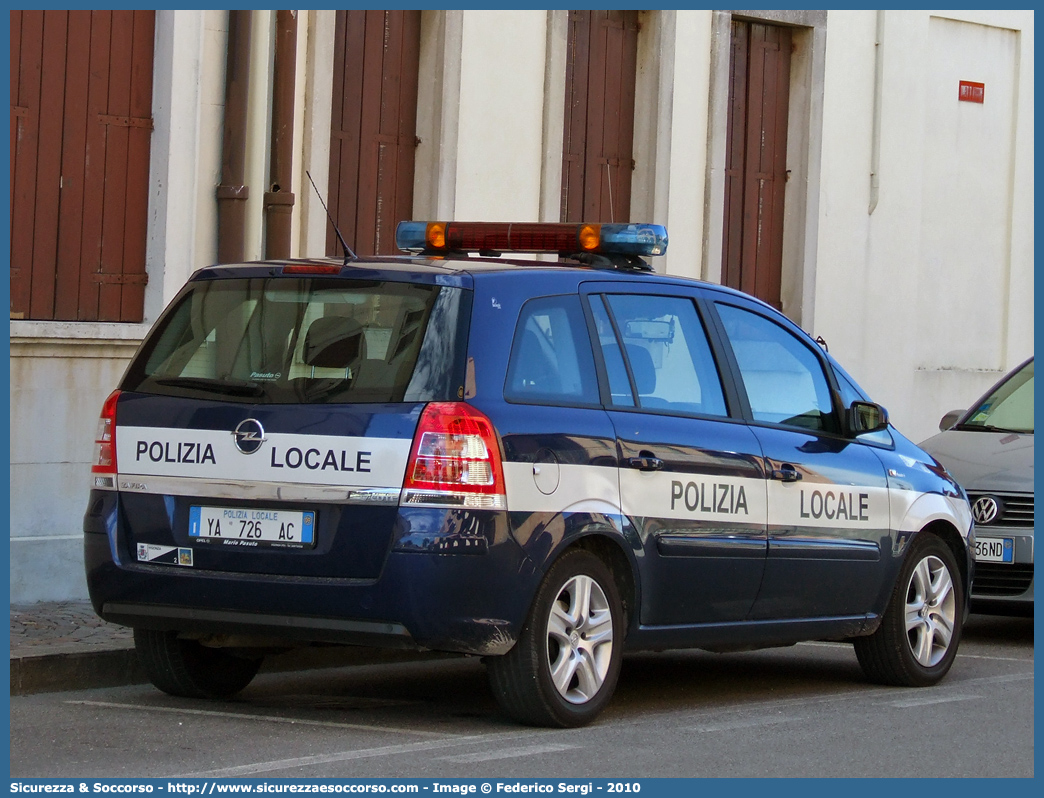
pixel 554 115
pixel 929 299
pixel 173 190
pixel 56 393
pixel 843 289
pixel 259 129
pixel 438 94
pixel 671 113
pixel 211 125
pixel 499 154
pixel 684 164
pixel 315 49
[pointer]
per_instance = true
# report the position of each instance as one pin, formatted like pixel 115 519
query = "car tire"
pixel 564 667
pixel 187 669
pixel 917 641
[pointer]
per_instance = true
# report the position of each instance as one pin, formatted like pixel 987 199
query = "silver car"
pixel 989 450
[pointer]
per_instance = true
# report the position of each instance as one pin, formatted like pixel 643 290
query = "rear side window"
pixel 783 378
pixel 667 353
pixel 620 393
pixel 551 360
pixel 306 340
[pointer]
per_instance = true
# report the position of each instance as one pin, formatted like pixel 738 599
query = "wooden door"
pixel 599 116
pixel 755 159
pixel 81 123
pixel 374 120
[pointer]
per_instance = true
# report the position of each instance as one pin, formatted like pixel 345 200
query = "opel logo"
pixel 249 435
pixel 985 510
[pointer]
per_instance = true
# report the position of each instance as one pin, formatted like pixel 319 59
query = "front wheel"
pixel 916 643
pixel 189 669
pixel 564 667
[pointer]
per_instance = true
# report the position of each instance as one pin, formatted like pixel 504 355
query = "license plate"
pixel 238 526
pixel 995 549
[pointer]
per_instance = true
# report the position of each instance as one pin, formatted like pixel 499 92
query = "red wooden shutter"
pixel 755 159
pixel 81 121
pixel 599 116
pixel 374 121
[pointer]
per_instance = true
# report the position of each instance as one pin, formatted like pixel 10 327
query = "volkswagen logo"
pixel 249 435
pixel 985 510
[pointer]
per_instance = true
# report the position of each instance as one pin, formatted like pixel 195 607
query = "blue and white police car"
pixel 543 463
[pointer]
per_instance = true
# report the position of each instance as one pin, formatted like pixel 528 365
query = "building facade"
pixel 869 173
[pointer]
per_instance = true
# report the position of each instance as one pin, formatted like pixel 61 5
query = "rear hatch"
pixel 265 425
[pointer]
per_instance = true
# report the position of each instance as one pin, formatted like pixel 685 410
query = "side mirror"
pixel 866 417
pixel 950 419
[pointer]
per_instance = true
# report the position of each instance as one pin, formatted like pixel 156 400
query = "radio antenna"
pixel 348 254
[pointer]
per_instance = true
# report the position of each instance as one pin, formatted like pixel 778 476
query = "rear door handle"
pixel 786 473
pixel 645 461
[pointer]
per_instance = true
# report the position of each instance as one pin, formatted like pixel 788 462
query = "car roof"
pixel 458 271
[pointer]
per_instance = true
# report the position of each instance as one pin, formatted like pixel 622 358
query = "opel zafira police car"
pixel 544 463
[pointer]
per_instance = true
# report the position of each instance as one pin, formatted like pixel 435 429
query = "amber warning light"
pixel 496 237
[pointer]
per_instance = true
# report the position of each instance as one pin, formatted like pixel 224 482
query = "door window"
pixel 551 360
pixel 669 362
pixel 783 378
pixel 620 394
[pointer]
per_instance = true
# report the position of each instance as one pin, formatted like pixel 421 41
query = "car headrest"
pixel 535 371
pixel 641 365
pixel 643 369
pixel 334 342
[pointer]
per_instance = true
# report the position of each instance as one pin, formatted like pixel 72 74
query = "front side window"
pixel 551 360
pixel 783 378
pixel 307 340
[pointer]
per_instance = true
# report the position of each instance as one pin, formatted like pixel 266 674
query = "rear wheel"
pixel 917 640
pixel 188 669
pixel 564 668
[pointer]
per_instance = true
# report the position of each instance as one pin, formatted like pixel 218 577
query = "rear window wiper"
pixel 225 387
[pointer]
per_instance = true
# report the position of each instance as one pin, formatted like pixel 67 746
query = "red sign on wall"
pixel 971 92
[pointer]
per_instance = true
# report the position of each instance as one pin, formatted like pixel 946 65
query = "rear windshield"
pixel 307 340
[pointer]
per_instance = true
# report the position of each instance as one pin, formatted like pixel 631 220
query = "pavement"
pixel 63 645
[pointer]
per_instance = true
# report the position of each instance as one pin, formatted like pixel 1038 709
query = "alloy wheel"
pixel 579 639
pixel 931 611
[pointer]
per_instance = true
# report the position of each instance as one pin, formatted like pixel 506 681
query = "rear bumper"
pixel 466 603
pixel 256 624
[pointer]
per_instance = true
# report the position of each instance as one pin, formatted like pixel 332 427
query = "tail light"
pixel 455 461
pixel 104 468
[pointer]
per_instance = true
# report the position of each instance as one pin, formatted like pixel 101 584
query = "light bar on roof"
pixel 602 239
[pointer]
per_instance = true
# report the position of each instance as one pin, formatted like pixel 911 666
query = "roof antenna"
pixel 348 254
